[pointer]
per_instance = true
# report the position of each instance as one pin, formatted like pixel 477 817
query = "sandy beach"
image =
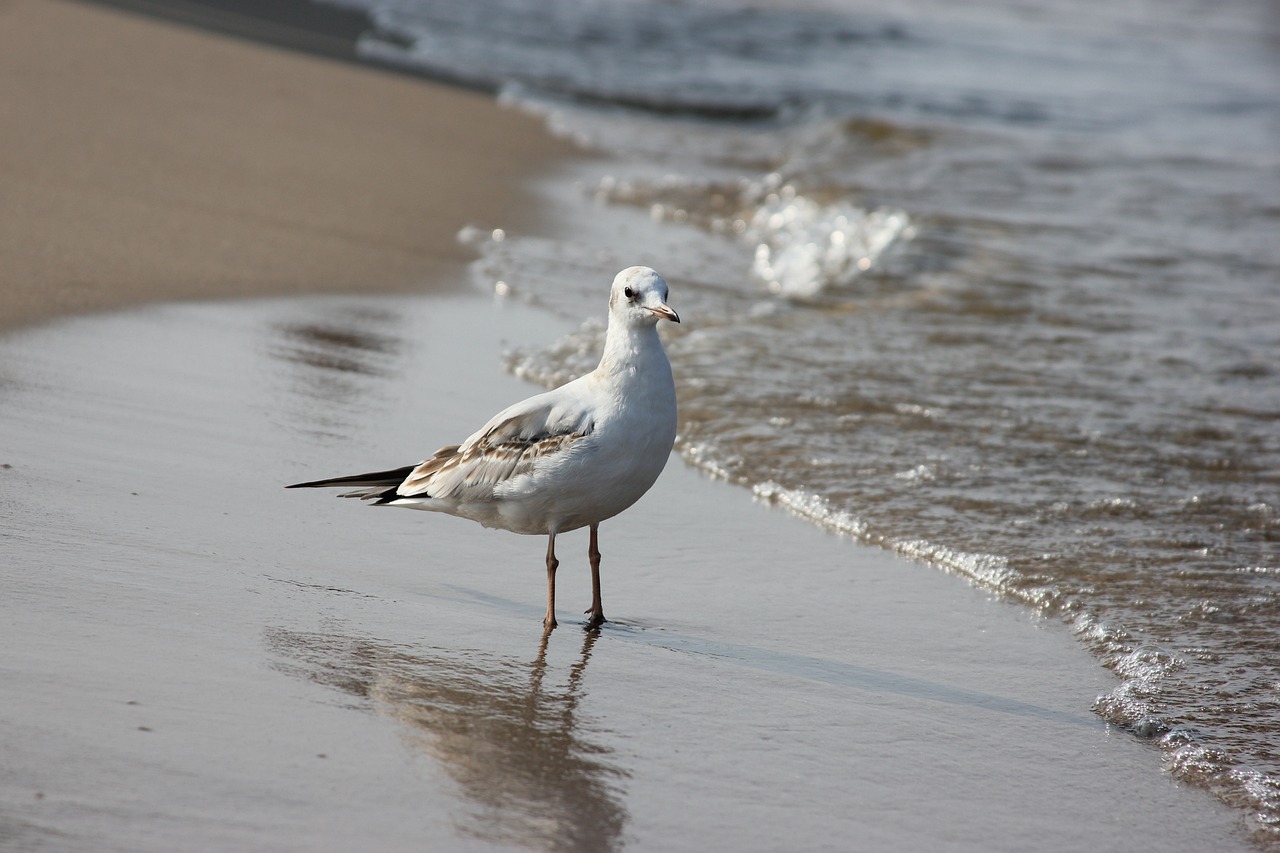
pixel 147 161
pixel 197 659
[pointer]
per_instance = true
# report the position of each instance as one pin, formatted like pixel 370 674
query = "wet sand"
pixel 195 658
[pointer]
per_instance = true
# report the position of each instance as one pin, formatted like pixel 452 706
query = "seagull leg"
pixel 549 621
pixel 597 607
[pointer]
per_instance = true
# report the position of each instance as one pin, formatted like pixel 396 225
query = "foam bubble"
pixel 804 248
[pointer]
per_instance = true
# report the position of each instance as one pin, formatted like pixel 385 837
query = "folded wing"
pixel 509 445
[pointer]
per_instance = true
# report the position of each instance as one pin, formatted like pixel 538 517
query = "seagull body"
pixel 565 459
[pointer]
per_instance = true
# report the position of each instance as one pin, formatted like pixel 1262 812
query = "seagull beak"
pixel 665 311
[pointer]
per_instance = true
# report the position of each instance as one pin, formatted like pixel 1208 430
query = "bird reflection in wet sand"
pixel 510 738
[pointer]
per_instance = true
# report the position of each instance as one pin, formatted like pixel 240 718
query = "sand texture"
pixel 143 160
pixel 198 659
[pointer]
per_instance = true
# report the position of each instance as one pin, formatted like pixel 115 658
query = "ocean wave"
pixel 804 248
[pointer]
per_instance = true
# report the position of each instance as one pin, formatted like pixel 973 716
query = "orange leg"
pixel 597 607
pixel 549 621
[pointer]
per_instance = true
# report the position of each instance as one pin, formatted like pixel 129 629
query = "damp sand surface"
pixel 195 658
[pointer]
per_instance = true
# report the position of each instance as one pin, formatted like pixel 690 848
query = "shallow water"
pixel 997 287
pixel 197 658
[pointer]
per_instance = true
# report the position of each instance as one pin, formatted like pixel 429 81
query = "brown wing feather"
pixel 496 455
pixel 507 447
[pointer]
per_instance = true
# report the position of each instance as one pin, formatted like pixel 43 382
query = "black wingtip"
pixel 392 478
pixel 314 484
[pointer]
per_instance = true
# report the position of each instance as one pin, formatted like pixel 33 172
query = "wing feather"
pixel 509 445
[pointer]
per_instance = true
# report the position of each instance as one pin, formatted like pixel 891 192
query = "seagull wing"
pixel 509 445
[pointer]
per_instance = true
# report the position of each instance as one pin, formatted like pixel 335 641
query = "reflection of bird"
pixel 515 737
pixel 567 458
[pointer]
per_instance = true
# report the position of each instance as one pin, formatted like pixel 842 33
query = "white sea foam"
pixel 801 245
pixel 812 507
pixel 987 569
pixel 804 247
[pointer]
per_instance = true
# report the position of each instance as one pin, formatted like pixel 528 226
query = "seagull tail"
pixel 375 484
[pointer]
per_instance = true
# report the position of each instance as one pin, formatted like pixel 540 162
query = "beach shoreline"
pixel 198 657
pixel 179 164
pixel 278 671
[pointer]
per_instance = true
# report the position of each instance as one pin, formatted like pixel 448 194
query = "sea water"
pixel 994 285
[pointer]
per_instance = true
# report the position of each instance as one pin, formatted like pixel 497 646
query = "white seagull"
pixel 561 460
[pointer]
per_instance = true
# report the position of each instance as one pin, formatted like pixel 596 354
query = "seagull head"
pixel 639 298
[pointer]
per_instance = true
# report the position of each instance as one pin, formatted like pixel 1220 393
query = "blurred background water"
pixel 995 285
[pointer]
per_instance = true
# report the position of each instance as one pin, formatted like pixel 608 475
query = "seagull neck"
pixel 626 346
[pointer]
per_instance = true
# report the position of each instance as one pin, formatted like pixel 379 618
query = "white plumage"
pixel 569 458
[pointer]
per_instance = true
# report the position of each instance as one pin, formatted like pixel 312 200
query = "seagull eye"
pixel 629 293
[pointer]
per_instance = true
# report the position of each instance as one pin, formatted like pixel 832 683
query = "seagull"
pixel 565 459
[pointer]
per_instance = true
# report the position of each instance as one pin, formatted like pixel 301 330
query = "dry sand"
pixel 146 161
pixel 196 659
